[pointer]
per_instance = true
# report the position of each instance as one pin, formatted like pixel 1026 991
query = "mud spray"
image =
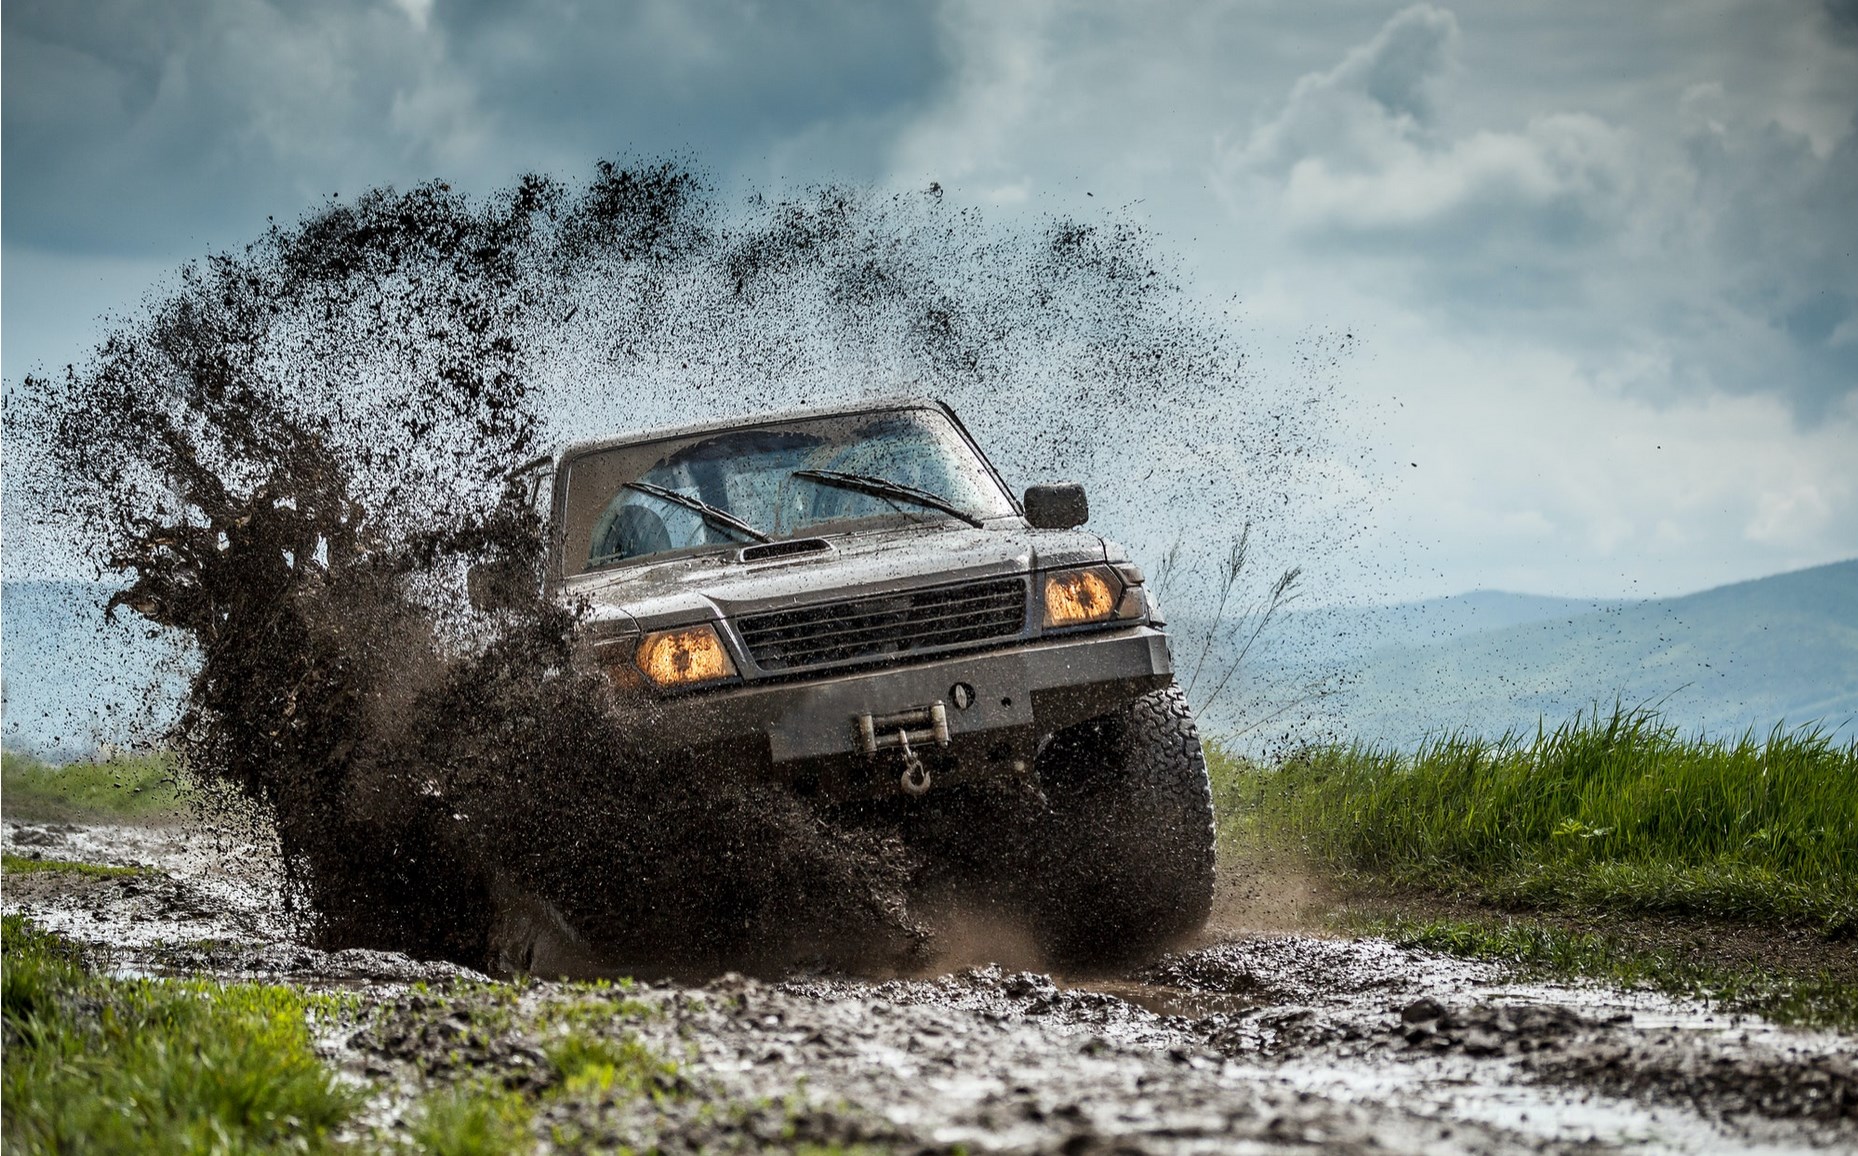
pixel 293 453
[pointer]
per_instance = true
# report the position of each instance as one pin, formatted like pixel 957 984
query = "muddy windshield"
pixel 737 486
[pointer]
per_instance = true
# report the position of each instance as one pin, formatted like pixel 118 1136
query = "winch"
pixel 920 725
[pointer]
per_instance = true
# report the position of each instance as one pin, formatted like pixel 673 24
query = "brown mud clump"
pixel 294 452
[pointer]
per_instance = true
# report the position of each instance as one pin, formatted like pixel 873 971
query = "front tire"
pixel 1130 835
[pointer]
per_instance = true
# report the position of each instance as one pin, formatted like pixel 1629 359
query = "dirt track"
pixel 1254 1042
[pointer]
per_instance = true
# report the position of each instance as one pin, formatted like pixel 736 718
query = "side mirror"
pixel 1057 507
pixel 499 585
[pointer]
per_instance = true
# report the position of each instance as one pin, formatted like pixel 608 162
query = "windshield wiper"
pixel 704 510
pixel 885 488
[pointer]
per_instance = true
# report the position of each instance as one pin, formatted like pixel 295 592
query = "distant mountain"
pixel 1782 648
pixel 1360 630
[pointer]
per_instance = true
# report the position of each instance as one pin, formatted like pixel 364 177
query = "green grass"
pixel 156 1066
pixel 125 787
pixel 1612 813
pixel 472 1120
pixel 1607 819
pixel 171 1066
pixel 21 865
pixel 591 1067
pixel 1820 1000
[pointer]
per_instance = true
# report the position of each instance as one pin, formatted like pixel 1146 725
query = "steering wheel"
pixel 633 533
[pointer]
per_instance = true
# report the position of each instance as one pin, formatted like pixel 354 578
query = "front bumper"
pixel 1019 694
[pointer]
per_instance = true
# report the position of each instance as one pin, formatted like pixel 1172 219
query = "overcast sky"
pixel 1601 258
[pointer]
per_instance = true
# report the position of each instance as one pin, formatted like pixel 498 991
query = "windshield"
pixel 748 476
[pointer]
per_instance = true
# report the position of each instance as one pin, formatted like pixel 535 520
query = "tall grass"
pixel 1617 811
pixel 125 787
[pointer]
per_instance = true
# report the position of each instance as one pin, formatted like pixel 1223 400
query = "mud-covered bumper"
pixel 1013 696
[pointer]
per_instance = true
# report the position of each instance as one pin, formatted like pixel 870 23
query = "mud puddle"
pixel 1262 1042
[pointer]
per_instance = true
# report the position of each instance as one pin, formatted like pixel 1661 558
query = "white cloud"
pixel 1571 300
pixel 1792 516
pixel 1533 476
pixel 1713 243
pixel 1382 89
pixel 417 11
pixel 1001 77
pixel 1358 147
pixel 1567 167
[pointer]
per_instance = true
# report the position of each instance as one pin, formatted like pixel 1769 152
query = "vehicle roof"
pixel 862 405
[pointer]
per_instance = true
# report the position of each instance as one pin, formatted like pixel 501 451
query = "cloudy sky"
pixel 1601 259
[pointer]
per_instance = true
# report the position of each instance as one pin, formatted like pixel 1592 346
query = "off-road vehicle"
pixel 851 603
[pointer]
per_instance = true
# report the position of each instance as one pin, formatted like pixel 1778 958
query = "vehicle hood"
pixel 707 586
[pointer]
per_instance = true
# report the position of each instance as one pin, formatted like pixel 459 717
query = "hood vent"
pixel 787 549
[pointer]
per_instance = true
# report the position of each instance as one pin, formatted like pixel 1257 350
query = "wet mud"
pixel 1262 1041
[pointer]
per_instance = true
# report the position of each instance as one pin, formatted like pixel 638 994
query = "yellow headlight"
pixel 682 657
pixel 1074 597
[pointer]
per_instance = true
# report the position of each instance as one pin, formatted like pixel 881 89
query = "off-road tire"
pixel 1130 841
pixel 397 888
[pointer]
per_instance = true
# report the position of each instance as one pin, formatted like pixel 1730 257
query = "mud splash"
pixel 296 452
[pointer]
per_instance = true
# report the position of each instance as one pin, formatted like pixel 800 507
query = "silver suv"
pixel 851 604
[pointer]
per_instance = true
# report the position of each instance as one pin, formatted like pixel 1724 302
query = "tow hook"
pixel 915 779
pixel 928 724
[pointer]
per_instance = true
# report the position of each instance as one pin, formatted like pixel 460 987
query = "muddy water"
pixel 1260 1041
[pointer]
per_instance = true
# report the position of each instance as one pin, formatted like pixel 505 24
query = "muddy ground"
pixel 1261 1039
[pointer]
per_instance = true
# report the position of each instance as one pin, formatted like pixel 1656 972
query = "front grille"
pixel 886 625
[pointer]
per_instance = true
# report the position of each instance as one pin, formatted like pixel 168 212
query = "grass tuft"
pixel 591 1067
pixel 23 865
pixel 472 1120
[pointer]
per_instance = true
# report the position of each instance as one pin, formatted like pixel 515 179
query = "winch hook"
pixel 915 780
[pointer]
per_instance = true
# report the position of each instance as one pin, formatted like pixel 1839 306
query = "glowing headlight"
pixel 1075 597
pixel 684 657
